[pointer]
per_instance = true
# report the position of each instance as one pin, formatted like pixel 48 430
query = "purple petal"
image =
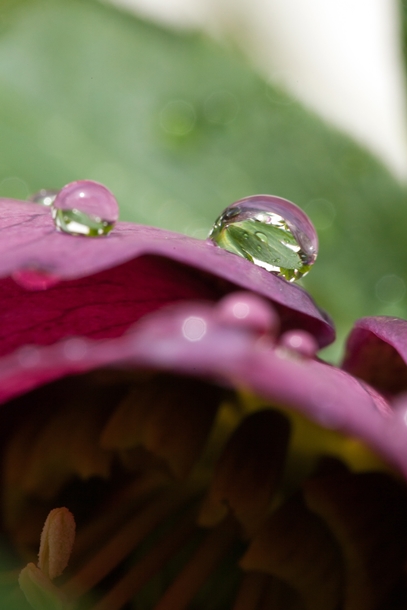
pixel 376 351
pixel 99 287
pixel 191 339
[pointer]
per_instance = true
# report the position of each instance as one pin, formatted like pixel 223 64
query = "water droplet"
pixel 85 208
pixel 75 348
pixel 261 236
pixel 269 231
pixel 28 356
pixel 299 341
pixel 245 310
pixel 44 197
pixel 33 278
pixel 194 328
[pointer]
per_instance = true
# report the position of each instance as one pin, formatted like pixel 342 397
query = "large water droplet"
pixel 269 231
pixel 44 197
pixel 85 208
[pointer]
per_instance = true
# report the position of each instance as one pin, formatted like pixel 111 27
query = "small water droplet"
pixel 245 310
pixel 261 236
pixel 85 208
pixel 75 348
pixel 33 278
pixel 299 341
pixel 28 356
pixel 44 197
pixel 271 232
pixel 194 328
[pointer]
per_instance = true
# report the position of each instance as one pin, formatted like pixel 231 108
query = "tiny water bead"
pixel 85 208
pixel 269 231
pixel 44 197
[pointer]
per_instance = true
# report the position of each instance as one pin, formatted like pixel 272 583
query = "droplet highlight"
pixel 44 197
pixel 269 231
pixel 85 208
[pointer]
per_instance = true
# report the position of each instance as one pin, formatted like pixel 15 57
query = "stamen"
pixel 251 591
pixel 248 471
pixel 280 596
pixel 295 546
pixel 114 513
pixel 367 514
pixel 39 591
pixel 56 544
pixel 200 566
pixel 170 417
pixel 150 565
pixel 126 539
pixel 47 450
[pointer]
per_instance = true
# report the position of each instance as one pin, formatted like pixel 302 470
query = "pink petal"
pixel 191 339
pixel 99 287
pixel 376 352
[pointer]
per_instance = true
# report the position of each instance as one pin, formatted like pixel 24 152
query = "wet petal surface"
pixel 144 267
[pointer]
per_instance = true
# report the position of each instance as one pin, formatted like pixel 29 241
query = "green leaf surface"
pixel 178 128
pixel 273 252
pixel 265 245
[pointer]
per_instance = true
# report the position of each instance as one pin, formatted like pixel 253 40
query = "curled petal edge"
pixel 188 339
pixel 376 351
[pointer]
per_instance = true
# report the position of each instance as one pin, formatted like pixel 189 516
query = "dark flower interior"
pixel 187 495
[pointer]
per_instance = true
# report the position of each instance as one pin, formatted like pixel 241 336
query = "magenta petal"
pixel 106 284
pixel 189 339
pixel 376 352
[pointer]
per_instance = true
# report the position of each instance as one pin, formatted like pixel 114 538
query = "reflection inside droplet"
pixel 85 208
pixel 44 197
pixel 269 231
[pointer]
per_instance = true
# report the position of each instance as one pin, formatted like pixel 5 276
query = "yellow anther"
pixel 56 544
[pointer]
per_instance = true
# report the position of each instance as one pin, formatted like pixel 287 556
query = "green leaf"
pixel 178 128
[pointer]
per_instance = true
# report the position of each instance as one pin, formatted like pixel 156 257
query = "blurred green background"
pixel 178 128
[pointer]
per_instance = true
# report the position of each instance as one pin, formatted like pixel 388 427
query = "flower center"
pixel 184 493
